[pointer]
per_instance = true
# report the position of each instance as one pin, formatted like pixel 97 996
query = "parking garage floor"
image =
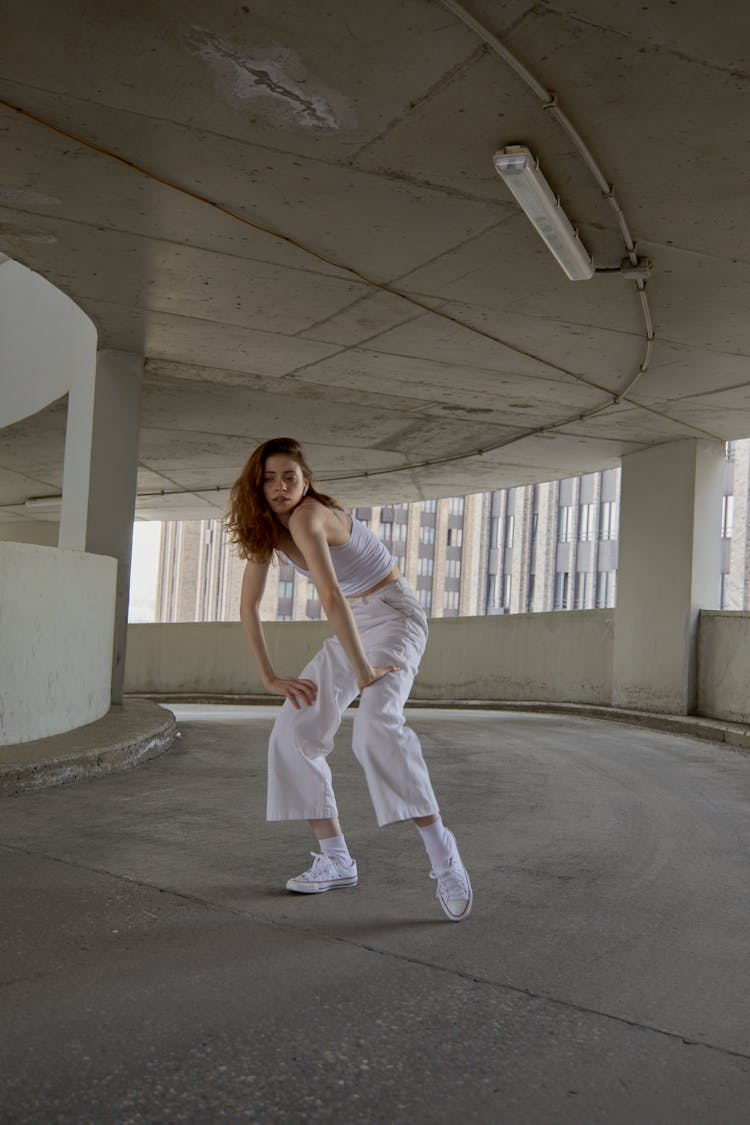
pixel 154 969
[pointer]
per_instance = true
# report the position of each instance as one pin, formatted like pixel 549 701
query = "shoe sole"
pixel 318 888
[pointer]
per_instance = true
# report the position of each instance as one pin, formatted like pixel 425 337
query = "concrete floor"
pixel 154 969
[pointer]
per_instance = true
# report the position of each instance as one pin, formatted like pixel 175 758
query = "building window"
pixel 399 532
pixel 451 599
pixel 386 530
pixel 583 586
pixel 400 561
pixel 586 522
pixel 564 524
pixel 562 583
pixel 608 519
pixel 429 505
pixel 455 536
pixel 456 505
pixel 534 526
pixel 492 584
pixel 427 534
pixel 727 516
pixel 452 568
pixel 494 521
pixel 425 566
pixel 425 598
pixel 510 524
pixel 606 589
pixel 312 593
pixel 730 450
pixel 505 602
pixel 724 592
pixel 286 588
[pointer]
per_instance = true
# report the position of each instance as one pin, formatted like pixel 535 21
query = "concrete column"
pixel 669 569
pixel 100 477
pixel 739 565
pixel 469 587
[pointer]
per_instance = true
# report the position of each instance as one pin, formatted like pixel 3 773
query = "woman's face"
pixel 284 484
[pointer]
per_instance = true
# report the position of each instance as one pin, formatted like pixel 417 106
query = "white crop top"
pixel 360 563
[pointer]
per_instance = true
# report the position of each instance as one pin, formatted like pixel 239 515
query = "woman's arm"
pixel 253 585
pixel 307 528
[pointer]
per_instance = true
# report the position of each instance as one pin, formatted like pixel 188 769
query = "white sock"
pixel 335 848
pixel 438 842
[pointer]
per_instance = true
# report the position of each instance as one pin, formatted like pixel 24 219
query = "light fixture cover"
pixel 51 503
pixel 518 169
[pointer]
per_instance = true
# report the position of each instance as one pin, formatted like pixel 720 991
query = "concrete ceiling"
pixel 363 134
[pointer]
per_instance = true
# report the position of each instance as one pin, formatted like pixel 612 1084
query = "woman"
pixel 380 632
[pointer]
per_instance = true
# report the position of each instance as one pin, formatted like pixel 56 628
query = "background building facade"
pixel 529 549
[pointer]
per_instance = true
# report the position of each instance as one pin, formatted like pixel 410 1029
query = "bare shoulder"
pixel 309 515
pixel 313 517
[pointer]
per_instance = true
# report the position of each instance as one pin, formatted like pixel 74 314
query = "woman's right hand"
pixel 377 673
pixel 295 690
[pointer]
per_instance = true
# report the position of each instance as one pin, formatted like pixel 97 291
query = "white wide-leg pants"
pixel 393 629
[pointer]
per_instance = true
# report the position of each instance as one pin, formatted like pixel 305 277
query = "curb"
pixel 735 736
pixel 129 734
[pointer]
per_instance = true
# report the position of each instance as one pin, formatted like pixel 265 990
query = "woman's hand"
pixel 377 674
pixel 295 690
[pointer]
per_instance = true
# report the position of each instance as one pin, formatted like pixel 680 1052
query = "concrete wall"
pixel 724 666
pixel 44 533
pixel 56 622
pixel 561 657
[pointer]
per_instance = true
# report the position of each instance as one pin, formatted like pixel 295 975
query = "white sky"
pixel 144 566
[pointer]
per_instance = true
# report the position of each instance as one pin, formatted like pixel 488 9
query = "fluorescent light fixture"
pixel 52 503
pixel 519 171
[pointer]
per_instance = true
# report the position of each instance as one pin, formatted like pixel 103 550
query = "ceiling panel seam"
pixel 617 397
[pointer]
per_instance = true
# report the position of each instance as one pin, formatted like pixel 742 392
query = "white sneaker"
pixel 324 875
pixel 454 891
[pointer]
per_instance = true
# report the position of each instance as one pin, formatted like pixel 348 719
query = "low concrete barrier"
pixel 536 657
pixel 724 666
pixel 556 657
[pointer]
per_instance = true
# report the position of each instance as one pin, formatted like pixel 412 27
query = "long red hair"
pixel 251 525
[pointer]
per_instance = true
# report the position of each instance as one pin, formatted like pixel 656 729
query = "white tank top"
pixel 360 563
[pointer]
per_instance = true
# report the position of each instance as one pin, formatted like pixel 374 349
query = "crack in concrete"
pixel 263 78
pixel 460 974
pixel 213 47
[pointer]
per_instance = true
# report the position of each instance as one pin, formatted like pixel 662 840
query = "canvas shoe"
pixel 324 875
pixel 454 891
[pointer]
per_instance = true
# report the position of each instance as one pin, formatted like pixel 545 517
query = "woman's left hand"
pixel 377 674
